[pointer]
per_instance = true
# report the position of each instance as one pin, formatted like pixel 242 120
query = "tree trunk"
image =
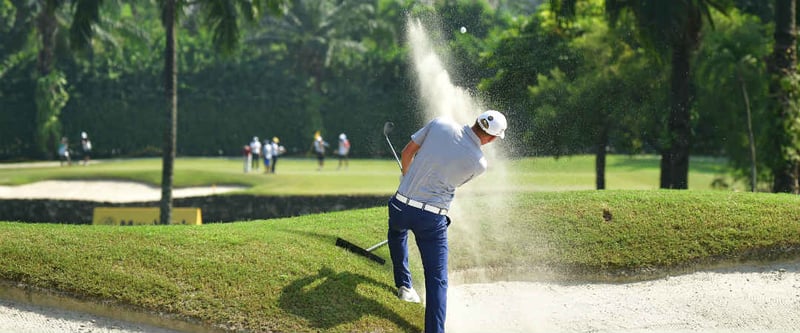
pixel 47 26
pixel 783 64
pixel 750 136
pixel 170 132
pixel 600 160
pixel 665 165
pixel 677 160
pixel 679 120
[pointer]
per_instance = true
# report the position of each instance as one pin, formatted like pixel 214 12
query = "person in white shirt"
pixel 86 147
pixel 276 151
pixel 343 151
pixel 255 149
pixel 267 153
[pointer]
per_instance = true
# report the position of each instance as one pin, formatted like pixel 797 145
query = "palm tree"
pixel 47 25
pixel 224 18
pixel 14 48
pixel 318 34
pixel 51 94
pixel 671 29
pixel 168 17
pixel 784 86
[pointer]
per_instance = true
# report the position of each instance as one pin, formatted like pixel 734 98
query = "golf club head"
pixel 388 127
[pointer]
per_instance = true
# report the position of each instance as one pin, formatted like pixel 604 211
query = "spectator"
pixel 86 148
pixel 248 158
pixel 255 149
pixel 319 146
pixel 267 153
pixel 276 150
pixel 63 152
pixel 343 151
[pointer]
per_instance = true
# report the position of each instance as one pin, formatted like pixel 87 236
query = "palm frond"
pixel 222 18
pixel 86 14
pixel 564 8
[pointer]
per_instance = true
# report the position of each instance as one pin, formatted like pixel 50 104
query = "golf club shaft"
pixel 394 152
pixel 377 245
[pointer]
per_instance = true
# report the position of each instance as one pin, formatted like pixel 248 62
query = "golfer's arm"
pixel 407 155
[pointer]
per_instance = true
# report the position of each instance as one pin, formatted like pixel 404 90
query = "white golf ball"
pixel 463 30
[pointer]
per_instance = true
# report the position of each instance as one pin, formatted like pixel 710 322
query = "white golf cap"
pixel 342 136
pixel 83 135
pixel 493 123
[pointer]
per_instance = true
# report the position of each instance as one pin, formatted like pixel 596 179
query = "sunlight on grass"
pixel 300 177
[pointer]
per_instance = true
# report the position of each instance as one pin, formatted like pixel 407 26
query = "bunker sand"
pixel 103 191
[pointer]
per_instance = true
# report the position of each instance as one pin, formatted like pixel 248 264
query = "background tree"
pixel 13 29
pixel 224 17
pixel 51 93
pixel 479 19
pixel 785 87
pixel 320 36
pixel 729 64
pixel 618 80
pixel 519 57
pixel 671 29
pixel 578 69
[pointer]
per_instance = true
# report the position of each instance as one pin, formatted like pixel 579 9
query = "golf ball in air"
pixel 463 30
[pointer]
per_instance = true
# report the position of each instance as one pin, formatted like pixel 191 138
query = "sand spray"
pixel 481 207
pixel 481 214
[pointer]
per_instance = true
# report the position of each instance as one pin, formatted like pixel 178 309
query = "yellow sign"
pixel 144 216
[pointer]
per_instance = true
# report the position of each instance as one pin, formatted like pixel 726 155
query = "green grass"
pixel 300 176
pixel 287 275
pixel 283 274
pixel 293 177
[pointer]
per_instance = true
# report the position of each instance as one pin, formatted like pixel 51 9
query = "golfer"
pixel 440 157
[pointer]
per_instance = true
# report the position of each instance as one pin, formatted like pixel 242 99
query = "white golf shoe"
pixel 408 294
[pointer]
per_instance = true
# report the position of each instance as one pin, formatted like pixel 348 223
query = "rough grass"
pixel 279 275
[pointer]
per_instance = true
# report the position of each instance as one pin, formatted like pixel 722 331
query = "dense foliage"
pixel 590 85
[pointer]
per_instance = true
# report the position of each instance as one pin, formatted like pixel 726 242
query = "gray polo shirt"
pixel 449 156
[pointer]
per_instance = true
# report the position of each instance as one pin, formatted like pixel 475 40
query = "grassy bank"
pixel 286 275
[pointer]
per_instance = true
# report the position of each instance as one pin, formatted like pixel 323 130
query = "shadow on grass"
pixel 329 299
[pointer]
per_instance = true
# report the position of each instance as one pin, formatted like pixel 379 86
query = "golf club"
pixel 362 252
pixel 387 128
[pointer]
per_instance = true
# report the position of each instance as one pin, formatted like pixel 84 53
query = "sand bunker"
pixel 106 191
pixel 743 299
pixel 26 318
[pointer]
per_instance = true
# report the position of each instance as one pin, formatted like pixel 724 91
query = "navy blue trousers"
pixel 430 231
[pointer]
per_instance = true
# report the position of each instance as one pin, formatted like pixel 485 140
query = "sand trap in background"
pixel 105 191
